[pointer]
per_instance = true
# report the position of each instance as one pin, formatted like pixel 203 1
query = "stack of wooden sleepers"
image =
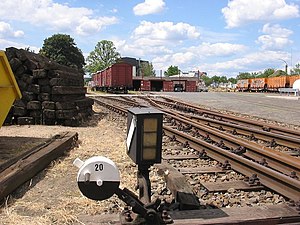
pixel 52 94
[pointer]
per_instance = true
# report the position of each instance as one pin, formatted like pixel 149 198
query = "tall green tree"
pixel 103 56
pixel 62 49
pixel 172 70
pixel 147 69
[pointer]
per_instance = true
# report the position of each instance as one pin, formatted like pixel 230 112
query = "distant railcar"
pixel 115 79
pixel 258 84
pixel 243 85
pixel 270 84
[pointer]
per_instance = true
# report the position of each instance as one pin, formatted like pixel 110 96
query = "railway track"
pixel 230 118
pixel 279 174
pixel 273 139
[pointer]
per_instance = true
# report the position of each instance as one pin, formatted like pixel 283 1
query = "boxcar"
pixel 274 83
pixel 258 84
pixel 243 85
pixel 119 77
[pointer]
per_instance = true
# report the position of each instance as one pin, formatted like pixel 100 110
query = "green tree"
pixel 147 69
pixel 296 69
pixel 232 80
pixel 172 70
pixel 268 72
pixel 62 49
pixel 245 75
pixel 223 79
pixel 207 80
pixel 103 56
pixel 215 79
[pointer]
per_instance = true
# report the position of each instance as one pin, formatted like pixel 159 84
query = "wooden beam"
pixel 224 186
pixel 29 165
pixel 179 157
pixel 200 170
pixel 261 215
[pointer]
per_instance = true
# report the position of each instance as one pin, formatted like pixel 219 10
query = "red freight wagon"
pixel 104 78
pixel 190 86
pixel 168 86
pixel 118 77
pixel 98 78
pixel 145 85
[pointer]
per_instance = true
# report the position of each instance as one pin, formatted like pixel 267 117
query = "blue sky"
pixel 216 36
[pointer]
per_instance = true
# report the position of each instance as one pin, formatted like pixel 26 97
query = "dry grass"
pixel 52 197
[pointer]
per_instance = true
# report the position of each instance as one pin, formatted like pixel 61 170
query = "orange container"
pixel 277 82
pixel 292 79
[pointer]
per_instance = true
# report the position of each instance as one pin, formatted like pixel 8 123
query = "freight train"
pixel 115 79
pixel 121 77
pixel 268 84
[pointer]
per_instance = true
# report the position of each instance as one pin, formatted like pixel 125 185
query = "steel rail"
pixel 277 160
pixel 283 140
pixel 244 121
pixel 270 178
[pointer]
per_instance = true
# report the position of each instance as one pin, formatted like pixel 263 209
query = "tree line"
pixel 62 49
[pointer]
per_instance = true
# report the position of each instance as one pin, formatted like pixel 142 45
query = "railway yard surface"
pixel 52 196
pixel 263 105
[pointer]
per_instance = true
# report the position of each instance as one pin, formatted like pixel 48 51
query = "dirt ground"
pixel 52 197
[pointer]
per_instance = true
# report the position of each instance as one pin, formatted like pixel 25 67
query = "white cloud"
pixel 217 49
pixel 55 16
pixel 239 12
pixel 165 31
pixel 149 7
pixel 153 39
pixel 250 62
pixel 275 38
pixel 7 31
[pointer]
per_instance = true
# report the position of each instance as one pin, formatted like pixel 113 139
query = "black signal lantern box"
pixel 144 135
